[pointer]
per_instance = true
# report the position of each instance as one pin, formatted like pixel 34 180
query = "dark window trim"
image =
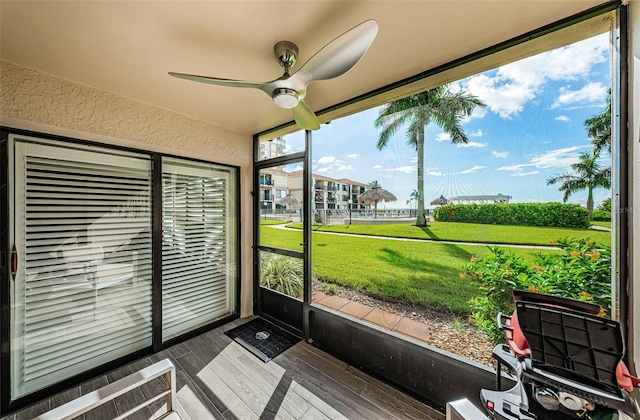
pixel 280 160
pixel 5 256
pixel 623 179
pixel 6 405
pixel 156 246
pixel 281 251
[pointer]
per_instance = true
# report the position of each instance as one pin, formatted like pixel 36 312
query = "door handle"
pixel 14 262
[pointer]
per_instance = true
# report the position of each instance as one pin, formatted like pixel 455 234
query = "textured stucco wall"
pixel 36 101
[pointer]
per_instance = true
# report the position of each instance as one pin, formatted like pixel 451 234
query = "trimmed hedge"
pixel 519 214
pixel 601 216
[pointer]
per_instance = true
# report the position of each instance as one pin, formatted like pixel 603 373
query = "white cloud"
pixel 434 173
pixel 443 137
pixel 353 155
pixel 377 167
pixel 477 114
pixel 474 169
pixel 472 144
pixel 525 173
pixel 563 118
pixel 501 155
pixel 297 168
pixel 589 94
pixel 513 85
pixel 502 95
pixel 326 160
pixel 477 133
pixel 414 159
pixel 558 158
pixel 332 165
pixel 287 149
pixel 405 169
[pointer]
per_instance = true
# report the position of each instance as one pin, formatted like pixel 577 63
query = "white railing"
pixel 107 393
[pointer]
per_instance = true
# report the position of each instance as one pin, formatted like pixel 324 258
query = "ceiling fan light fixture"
pixel 285 98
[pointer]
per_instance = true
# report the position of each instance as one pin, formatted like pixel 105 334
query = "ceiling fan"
pixel 288 91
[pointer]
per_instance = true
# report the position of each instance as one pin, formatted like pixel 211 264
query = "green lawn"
pixel 470 232
pixel 273 222
pixel 426 273
pixel 603 224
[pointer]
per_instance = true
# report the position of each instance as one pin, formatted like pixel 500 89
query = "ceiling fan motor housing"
pixel 286 53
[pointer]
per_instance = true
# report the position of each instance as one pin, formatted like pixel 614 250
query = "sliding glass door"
pixel 198 244
pixel 99 238
pixel 81 259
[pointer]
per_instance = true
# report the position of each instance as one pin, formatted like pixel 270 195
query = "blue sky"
pixel 531 130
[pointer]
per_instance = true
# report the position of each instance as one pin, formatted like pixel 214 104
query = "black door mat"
pixel 262 338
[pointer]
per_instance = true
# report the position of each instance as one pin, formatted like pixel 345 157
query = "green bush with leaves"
pixel 601 216
pixel 605 205
pixel 521 214
pixel 581 272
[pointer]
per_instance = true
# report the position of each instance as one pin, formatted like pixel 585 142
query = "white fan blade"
pixel 340 55
pixel 305 118
pixel 219 81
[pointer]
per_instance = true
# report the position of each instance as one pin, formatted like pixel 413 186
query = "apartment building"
pixel 330 193
pixel 273 186
pixel 272 148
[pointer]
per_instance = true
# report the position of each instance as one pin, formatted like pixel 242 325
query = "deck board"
pixel 218 379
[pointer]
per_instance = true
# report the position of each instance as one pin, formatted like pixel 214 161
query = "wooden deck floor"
pixel 218 379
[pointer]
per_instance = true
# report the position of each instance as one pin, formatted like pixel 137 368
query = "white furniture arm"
pixel 464 409
pixel 107 393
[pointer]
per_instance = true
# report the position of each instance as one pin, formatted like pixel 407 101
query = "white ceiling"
pixel 128 47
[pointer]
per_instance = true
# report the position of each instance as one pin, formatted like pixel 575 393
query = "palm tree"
pixel 586 174
pixel 599 127
pixel 440 106
pixel 413 196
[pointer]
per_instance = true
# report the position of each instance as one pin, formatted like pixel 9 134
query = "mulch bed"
pixel 450 332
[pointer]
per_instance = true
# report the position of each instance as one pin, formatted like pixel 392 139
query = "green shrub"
pixel 605 205
pixel 281 273
pixel 521 214
pixel 582 272
pixel 601 216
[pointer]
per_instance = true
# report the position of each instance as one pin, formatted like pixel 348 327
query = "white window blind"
pixel 198 247
pixel 81 227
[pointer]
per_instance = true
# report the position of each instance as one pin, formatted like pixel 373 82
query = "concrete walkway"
pixel 602 228
pixel 391 238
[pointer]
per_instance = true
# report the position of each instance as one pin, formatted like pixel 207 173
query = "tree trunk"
pixel 590 204
pixel 375 209
pixel 420 219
